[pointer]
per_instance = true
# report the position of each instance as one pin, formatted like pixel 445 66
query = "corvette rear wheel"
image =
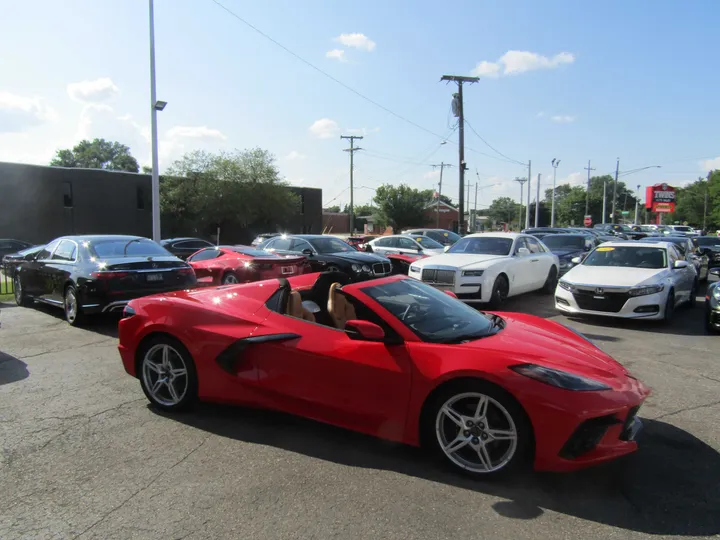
pixel 167 374
pixel 480 430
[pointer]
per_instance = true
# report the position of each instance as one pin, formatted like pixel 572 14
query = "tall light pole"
pixel 637 204
pixel 555 163
pixel 521 181
pixel 155 106
pixel 537 201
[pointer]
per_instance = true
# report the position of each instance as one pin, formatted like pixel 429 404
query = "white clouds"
pixel 295 156
pixel 563 119
pixel 516 62
pixel 324 129
pixel 710 164
pixel 103 89
pixel 20 112
pixel 336 54
pixel 195 132
pixel 356 40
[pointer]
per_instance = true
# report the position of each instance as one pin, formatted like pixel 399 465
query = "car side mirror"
pixel 446 248
pixel 364 330
pixel 715 272
pixel 308 252
pixel 523 251
pixel 576 260
pixel 680 264
pixel 450 293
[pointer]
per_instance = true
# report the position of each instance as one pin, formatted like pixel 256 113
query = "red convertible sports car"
pixel 228 265
pixel 393 358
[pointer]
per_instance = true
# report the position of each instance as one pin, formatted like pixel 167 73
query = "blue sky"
pixel 567 79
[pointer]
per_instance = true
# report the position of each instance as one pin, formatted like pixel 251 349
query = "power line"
pixel 326 74
pixel 492 147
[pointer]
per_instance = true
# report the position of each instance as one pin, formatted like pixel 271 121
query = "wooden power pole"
pixel 352 151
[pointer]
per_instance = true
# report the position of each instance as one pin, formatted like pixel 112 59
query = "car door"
pixel 326 375
pixel 33 274
pixel 683 278
pixel 383 246
pixel 407 246
pixel 522 267
pixel 57 271
pixel 540 263
pixel 201 262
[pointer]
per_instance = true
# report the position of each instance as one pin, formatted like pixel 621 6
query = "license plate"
pixel 287 269
pixel 154 277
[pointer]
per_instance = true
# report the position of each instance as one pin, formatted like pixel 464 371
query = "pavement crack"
pixel 141 490
pixel 107 340
pixel 686 409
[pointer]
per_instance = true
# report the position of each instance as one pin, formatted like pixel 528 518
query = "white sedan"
pixel 406 244
pixel 630 280
pixel 490 267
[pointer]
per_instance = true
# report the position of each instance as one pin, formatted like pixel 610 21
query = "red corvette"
pixel 393 358
pixel 229 265
pixel 401 262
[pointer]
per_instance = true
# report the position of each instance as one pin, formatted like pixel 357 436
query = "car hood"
pixel 460 260
pixel 357 256
pixel 611 275
pixel 433 251
pixel 531 339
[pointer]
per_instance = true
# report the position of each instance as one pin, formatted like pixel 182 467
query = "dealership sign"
pixel 660 198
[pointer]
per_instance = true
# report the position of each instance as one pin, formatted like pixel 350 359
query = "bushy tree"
pixel 400 206
pixel 97 154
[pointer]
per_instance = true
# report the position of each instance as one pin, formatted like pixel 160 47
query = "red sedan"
pixel 393 358
pixel 229 265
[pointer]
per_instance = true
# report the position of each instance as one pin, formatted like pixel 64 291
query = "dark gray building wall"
pixel 309 219
pixel 40 203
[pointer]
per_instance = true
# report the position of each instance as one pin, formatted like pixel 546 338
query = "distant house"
pixel 449 216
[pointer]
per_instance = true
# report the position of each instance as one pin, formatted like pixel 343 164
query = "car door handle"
pixel 534 260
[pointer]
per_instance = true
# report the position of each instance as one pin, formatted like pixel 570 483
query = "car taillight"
pixel 186 270
pixel 109 275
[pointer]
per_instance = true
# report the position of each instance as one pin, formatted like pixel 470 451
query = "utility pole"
pixel 637 203
pixel 527 210
pixel 617 172
pixel 442 165
pixel 587 195
pixel 537 201
pixel 468 203
pixel 352 151
pixel 474 221
pixel 555 163
pixel 706 198
pixel 521 181
pixel 458 111
pixel 154 133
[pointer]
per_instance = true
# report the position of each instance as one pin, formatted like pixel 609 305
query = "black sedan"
pixel 690 249
pixel 712 304
pixel 328 253
pixel 184 247
pixel 8 246
pixel 569 246
pixel 11 262
pixel 710 246
pixel 95 274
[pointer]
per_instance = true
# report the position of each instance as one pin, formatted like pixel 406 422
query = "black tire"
pixel 21 299
pixel 147 353
pixel 437 428
pixel 71 306
pixel 500 291
pixel 551 281
pixel 669 307
pixel 230 278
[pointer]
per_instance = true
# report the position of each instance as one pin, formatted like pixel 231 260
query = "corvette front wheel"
pixel 477 428
pixel 167 374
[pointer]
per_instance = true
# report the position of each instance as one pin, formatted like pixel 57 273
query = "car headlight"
pixel 472 273
pixel 356 267
pixel 365 268
pixel 565 285
pixel 559 379
pixel 565 263
pixel 643 291
pixel 716 293
pixel 414 268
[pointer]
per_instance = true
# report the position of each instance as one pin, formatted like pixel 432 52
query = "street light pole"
pixel 555 163
pixel 154 134
pixel 637 204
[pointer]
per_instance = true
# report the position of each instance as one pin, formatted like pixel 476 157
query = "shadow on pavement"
pixel 12 369
pixel 105 324
pixel 668 487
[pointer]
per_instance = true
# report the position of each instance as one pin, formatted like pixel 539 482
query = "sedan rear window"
pixel 133 247
pixel 629 257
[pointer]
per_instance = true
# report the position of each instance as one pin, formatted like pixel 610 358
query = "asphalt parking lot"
pixel 83 456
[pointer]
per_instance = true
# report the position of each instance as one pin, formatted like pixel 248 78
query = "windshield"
pixel 623 228
pixel 330 245
pixel 483 245
pixel 681 243
pixel 428 243
pixel 703 241
pixel 127 247
pixel 647 228
pixel 433 315
pixel 564 241
pixel 630 257
pixel 682 228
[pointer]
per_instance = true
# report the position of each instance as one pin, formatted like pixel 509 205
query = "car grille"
pixel 380 269
pixel 611 302
pixel 443 277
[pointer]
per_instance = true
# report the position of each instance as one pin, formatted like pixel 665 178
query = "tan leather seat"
pixel 339 308
pixel 296 309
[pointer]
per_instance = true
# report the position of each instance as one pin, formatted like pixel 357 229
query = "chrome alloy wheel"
pixel 17 285
pixel 165 375
pixel 71 307
pixel 230 279
pixel 476 432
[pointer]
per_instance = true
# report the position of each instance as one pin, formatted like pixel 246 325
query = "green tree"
pixel 335 208
pixel 240 189
pixel 360 209
pixel 504 210
pixel 429 195
pixel 400 206
pixel 690 203
pixel 97 154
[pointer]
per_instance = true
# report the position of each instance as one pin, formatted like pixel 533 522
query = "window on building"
pixel 67 195
pixel 140 198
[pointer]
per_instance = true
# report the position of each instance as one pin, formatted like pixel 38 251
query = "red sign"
pixel 660 198
pixel 587 221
